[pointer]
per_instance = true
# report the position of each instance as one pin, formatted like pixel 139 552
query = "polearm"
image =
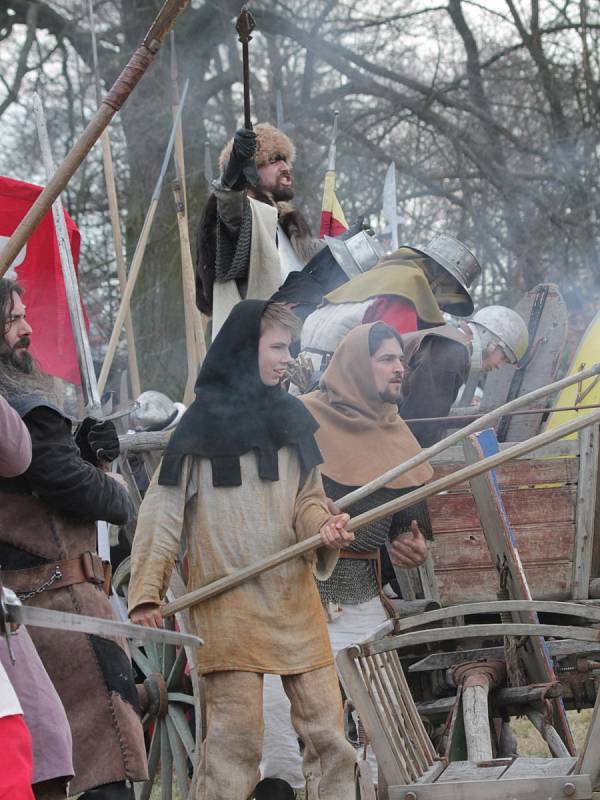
pixel 194 339
pixel 118 94
pixel 385 510
pixel 469 417
pixel 113 212
pixel 140 249
pixel 244 26
pixel 89 384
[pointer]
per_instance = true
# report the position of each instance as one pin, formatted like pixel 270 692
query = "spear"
pixel 140 249
pixel 118 94
pixel 89 385
pixel 380 512
pixel 244 26
pixel 113 210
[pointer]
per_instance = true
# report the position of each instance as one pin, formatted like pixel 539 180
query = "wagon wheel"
pixel 170 697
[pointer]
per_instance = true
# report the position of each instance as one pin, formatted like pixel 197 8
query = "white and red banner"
pixel 39 272
pixel 333 221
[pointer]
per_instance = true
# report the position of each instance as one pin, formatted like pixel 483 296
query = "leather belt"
pixel 85 568
pixel 375 557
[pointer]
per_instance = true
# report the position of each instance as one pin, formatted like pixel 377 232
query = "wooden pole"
pixel 194 338
pixel 118 94
pixel 138 256
pixel 387 509
pixel 113 211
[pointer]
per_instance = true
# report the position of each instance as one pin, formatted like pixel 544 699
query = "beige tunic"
pixel 273 623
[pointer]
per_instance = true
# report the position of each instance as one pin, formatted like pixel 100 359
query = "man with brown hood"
pixel 250 235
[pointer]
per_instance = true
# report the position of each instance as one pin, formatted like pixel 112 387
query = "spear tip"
pixel 245 25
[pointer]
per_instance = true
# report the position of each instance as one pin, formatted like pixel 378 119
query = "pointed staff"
pixel 387 509
pixel 91 395
pixel 140 249
pixel 113 211
pixel 244 26
pixel 118 94
pixel 194 339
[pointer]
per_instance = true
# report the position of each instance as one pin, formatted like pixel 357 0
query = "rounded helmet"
pixel 155 412
pixel 507 326
pixel 459 261
pixel 356 254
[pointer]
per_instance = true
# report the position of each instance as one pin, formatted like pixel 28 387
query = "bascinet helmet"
pixel 356 254
pixel 155 412
pixel 459 261
pixel 507 327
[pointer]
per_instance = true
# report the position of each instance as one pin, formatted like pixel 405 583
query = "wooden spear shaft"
pixel 385 510
pixel 113 212
pixel 118 94
pixel 138 256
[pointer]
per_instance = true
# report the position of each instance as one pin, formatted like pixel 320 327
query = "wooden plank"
pixel 536 543
pixel 544 767
pixel 475 584
pixel 458 512
pixel 540 788
pixel 470 771
pixel 586 509
pixel 524 473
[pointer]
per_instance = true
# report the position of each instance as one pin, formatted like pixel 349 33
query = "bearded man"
pixel 47 551
pixel 250 236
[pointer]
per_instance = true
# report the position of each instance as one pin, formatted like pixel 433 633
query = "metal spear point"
pixel 244 26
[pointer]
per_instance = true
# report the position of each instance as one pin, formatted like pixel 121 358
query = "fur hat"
pixel 270 142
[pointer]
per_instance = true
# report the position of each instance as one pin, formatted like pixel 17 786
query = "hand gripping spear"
pixel 244 26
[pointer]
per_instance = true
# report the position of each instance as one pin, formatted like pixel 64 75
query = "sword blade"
pixel 60 620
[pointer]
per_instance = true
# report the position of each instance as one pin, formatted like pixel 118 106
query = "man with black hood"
pixel 241 487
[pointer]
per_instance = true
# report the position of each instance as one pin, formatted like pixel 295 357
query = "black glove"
pixel 241 167
pixel 97 441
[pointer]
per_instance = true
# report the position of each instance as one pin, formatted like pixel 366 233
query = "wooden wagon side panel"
pixel 540 497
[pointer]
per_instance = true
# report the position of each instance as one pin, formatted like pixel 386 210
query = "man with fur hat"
pixel 250 236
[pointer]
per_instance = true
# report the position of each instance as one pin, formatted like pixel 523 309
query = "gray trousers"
pixel 231 752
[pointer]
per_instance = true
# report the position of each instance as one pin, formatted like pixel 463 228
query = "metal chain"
pixel 57 575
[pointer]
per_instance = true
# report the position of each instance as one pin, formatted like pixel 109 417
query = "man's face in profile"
pixel 17 335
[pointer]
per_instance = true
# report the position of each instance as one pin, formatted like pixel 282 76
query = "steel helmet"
pixel 357 254
pixel 507 326
pixel 155 412
pixel 458 260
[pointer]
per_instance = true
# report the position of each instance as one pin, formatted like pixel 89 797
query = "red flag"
pixel 333 221
pixel 39 272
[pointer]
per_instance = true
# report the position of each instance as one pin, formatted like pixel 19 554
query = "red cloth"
pixel 40 274
pixel 17 762
pixel 396 312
